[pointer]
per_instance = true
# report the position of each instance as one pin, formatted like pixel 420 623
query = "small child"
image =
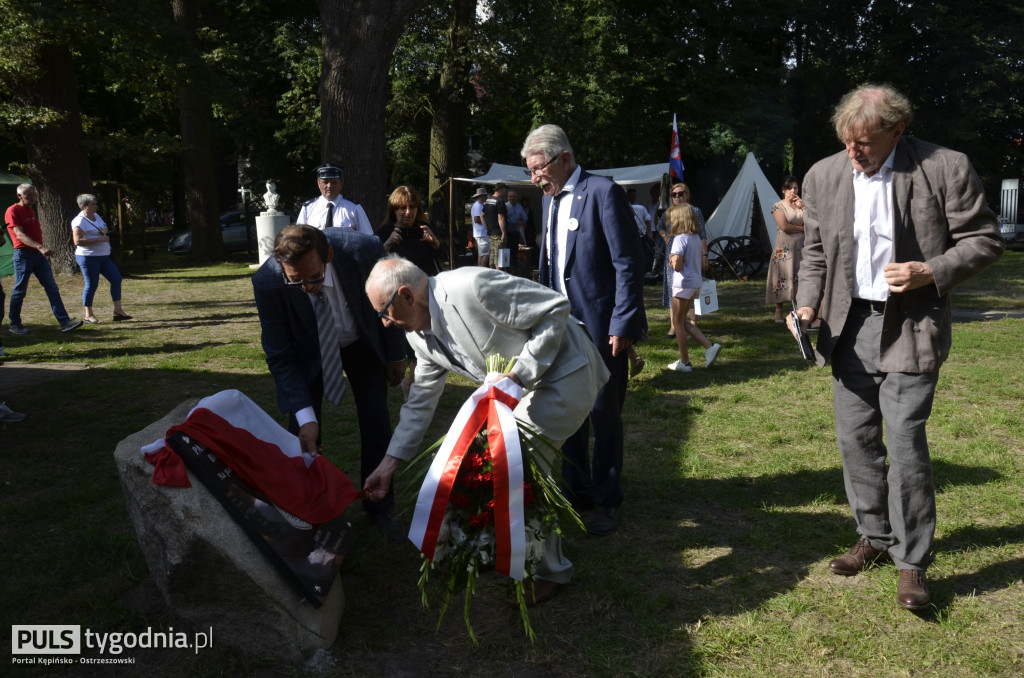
pixel 685 259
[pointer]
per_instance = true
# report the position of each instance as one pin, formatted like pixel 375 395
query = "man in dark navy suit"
pixel 320 276
pixel 590 252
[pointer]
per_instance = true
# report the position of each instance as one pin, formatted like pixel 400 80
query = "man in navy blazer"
pixel 337 261
pixel 591 253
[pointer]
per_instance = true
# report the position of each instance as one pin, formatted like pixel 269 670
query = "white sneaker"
pixel 711 354
pixel 9 415
pixel 680 366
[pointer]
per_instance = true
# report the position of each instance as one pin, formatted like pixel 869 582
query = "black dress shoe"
pixel 390 527
pixel 581 504
pixel 860 556
pixel 605 521
pixel 118 317
pixel 912 591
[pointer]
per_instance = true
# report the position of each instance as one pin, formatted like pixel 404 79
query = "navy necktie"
pixel 553 244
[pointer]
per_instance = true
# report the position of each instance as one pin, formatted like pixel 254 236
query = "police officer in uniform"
pixel 330 209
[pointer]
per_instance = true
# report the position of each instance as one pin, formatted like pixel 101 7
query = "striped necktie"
pixel 330 352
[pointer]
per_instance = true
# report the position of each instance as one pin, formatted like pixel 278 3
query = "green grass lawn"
pixel 734 504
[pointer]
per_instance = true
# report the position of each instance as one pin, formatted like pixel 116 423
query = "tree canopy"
pixel 409 91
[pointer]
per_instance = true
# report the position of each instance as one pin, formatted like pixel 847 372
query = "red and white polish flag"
pixel 262 453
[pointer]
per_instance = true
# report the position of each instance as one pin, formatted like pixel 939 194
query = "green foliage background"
pixel 742 75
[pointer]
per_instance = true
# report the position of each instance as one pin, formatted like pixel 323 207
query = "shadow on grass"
pixel 694 548
pixel 190 279
pixel 169 348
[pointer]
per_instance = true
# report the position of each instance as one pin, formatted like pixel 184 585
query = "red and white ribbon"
pixel 491 404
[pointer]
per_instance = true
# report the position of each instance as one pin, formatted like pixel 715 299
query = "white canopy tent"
pixel 513 175
pixel 735 214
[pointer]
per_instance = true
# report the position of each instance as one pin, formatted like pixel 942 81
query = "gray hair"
pixel 85 199
pixel 24 187
pixel 872 108
pixel 547 140
pixel 392 272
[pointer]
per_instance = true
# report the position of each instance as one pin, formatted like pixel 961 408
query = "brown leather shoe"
pixel 860 556
pixel 540 590
pixel 912 591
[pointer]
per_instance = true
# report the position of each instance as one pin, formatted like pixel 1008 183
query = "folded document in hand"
pixel 803 341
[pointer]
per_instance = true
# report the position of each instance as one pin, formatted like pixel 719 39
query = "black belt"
pixel 869 305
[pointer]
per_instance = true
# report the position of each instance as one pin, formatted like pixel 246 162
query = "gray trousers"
pixel 894 504
pixel 549 410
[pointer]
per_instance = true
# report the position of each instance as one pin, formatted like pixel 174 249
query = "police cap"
pixel 329 170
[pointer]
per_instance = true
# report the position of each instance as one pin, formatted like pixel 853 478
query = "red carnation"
pixel 480 519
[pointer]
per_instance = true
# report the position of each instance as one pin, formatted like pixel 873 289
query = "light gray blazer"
pixel 941 218
pixel 489 312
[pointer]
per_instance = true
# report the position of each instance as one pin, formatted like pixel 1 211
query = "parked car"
pixel 232 230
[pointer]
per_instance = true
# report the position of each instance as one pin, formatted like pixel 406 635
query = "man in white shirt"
pixel 483 249
pixel 893 223
pixel 331 210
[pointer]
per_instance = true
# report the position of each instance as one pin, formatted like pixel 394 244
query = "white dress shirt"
pixel 347 214
pixel 873 230
pixel 643 219
pixel 558 227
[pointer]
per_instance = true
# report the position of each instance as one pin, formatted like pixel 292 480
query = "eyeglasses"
pixel 383 313
pixel 533 172
pixel 300 283
pixel 679 194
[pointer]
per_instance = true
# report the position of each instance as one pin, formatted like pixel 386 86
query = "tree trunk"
pixel 359 40
pixel 57 163
pixel 197 160
pixel 447 137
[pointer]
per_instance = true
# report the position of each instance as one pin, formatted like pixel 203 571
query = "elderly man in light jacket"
pixel 454 322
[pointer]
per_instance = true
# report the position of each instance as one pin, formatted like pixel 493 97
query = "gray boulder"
pixel 209 571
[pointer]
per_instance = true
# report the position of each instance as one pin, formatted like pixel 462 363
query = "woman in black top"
pixel 405 231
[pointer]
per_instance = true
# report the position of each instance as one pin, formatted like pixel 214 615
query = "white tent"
pixel 734 215
pixel 513 175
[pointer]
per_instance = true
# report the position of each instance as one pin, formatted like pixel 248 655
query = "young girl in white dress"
pixel 685 258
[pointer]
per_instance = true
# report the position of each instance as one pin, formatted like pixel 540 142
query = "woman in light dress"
pixel 783 269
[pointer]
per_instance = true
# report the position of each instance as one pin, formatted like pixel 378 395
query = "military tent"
pixel 734 216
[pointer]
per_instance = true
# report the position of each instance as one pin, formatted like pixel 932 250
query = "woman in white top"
pixel 92 252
